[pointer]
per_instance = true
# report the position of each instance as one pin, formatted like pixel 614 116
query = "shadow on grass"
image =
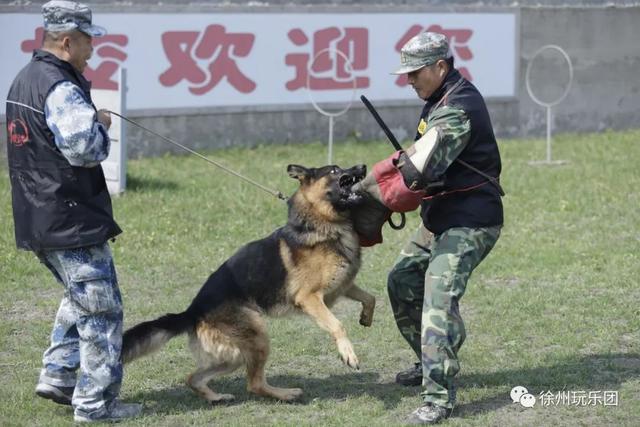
pixel 598 372
pixel 584 373
pixel 137 183
pixel 332 388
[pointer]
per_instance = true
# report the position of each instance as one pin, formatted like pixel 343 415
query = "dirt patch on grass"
pixel 632 363
pixel 630 341
pixel 502 281
pixel 28 311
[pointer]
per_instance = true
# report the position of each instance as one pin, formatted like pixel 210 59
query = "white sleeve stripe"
pixel 423 148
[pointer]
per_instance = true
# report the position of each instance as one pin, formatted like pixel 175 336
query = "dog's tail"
pixel 151 336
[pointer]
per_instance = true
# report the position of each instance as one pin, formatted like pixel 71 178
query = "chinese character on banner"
pixel 185 49
pixel 330 70
pixel 458 39
pixel 108 48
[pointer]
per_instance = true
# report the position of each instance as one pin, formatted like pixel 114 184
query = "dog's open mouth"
pixel 349 197
pixel 346 181
pixel 352 176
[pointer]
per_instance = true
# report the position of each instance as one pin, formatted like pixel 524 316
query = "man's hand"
pixel 104 117
pixel 371 214
pixel 390 187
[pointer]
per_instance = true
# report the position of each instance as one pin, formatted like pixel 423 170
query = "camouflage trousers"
pixel 87 332
pixel 425 285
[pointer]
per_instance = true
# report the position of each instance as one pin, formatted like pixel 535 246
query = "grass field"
pixel 555 307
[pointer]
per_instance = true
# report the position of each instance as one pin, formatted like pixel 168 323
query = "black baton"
pixel 381 123
pixel 396 145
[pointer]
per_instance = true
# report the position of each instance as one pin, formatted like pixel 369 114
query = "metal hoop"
pixel 349 69
pixel 528 75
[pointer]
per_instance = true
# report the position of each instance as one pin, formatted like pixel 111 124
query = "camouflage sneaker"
pixel 429 414
pixel 410 377
pixel 60 395
pixel 118 412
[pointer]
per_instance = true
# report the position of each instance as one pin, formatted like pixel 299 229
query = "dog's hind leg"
pixel 254 346
pixel 368 303
pixel 199 379
pixel 256 358
pixel 216 356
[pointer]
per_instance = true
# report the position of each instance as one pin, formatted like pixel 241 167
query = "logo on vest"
pixel 18 132
pixel 422 126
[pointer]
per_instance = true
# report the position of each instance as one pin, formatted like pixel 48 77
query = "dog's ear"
pixel 298 172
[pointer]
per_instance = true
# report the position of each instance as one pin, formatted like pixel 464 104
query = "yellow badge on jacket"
pixel 422 126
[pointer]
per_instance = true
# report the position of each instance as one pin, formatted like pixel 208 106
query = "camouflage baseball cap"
pixel 422 50
pixel 62 15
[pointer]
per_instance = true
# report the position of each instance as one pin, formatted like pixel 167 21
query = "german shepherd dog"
pixel 305 266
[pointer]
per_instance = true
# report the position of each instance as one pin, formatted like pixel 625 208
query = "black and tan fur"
pixel 304 266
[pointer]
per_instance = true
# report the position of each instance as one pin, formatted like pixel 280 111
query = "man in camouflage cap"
pixel 60 15
pixel 62 212
pixel 422 50
pixel 451 171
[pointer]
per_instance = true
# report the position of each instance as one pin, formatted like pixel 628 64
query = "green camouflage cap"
pixel 422 50
pixel 62 15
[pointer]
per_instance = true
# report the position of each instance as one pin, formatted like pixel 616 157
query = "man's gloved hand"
pixel 396 184
pixel 371 214
pixel 391 177
pixel 385 191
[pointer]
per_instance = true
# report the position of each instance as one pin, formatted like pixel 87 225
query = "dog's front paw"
pixel 348 355
pixel 366 315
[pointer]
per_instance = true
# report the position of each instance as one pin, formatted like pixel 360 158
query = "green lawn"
pixel 556 305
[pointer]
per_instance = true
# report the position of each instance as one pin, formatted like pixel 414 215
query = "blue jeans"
pixel 87 332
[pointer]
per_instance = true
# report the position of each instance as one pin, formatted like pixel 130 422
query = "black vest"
pixel 55 205
pixel 479 207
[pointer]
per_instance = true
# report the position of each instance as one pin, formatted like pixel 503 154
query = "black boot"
pixel 60 395
pixel 429 414
pixel 410 377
